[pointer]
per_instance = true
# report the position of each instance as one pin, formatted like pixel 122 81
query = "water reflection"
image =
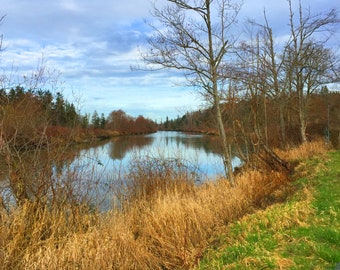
pixel 207 144
pixel 122 145
pixel 113 158
pixel 31 174
pixel 93 171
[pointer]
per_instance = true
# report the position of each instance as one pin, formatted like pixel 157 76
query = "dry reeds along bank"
pixel 167 229
pixel 303 151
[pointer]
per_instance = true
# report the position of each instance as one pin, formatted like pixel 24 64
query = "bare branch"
pixel 193 37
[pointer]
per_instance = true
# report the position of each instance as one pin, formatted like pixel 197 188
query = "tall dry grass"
pixel 303 151
pixel 169 229
pixel 168 232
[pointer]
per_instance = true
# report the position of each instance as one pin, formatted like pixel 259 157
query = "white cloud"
pixel 70 5
pixel 94 43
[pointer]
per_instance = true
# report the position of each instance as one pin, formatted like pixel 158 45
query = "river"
pixel 100 168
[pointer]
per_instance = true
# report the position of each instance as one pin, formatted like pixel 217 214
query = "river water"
pixel 106 164
pixel 199 151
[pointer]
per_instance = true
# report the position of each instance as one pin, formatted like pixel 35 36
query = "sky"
pixel 94 43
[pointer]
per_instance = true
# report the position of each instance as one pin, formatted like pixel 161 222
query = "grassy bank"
pixel 172 224
pixel 303 233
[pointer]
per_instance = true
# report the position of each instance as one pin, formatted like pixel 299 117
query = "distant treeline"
pixel 25 112
pixel 323 118
pixel 53 106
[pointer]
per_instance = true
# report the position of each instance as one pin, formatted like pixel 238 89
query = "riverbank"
pixel 168 225
pixel 302 233
pixel 58 135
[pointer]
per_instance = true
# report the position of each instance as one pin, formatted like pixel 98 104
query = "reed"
pixel 170 231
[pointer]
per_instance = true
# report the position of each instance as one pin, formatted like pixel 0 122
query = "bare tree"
pixel 275 81
pixel 255 78
pixel 194 37
pixel 292 71
pixel 308 63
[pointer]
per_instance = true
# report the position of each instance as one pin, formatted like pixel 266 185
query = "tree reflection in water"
pixel 95 173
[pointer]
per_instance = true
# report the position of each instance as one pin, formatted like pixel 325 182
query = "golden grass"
pixel 304 151
pixel 168 231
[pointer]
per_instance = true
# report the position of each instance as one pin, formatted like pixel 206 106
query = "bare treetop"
pixel 194 37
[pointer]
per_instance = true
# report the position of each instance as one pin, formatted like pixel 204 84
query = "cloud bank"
pixel 94 43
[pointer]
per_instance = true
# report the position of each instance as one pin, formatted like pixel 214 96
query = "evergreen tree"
pixel 95 121
pixel 102 121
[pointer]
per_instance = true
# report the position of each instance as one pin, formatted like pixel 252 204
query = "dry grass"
pixel 304 151
pixel 169 229
pixel 168 232
pixel 300 154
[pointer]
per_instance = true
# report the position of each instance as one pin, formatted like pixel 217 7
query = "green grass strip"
pixel 302 233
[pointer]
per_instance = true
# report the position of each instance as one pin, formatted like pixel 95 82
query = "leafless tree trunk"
pixel 194 39
pixel 273 77
pixel 308 62
pixel 257 72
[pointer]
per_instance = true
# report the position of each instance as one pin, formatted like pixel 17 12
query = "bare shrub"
pixel 148 177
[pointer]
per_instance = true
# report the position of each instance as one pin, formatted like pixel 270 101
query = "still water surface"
pixel 106 164
pixel 112 160
pixel 200 152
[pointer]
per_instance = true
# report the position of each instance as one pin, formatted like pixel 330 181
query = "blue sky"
pixel 93 44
